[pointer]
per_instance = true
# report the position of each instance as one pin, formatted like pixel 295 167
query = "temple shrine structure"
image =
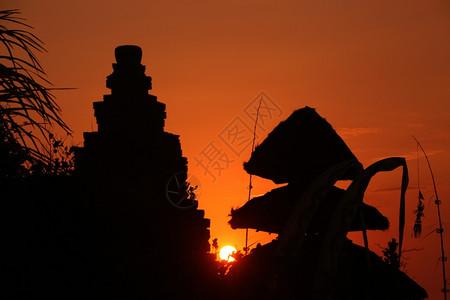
pixel 311 258
pixel 148 233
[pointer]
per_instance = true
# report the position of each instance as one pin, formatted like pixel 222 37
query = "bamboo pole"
pixel 250 179
pixel 440 230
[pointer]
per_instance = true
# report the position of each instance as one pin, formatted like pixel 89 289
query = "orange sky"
pixel 378 71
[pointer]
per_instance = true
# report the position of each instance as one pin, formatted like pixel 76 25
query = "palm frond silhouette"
pixel 28 111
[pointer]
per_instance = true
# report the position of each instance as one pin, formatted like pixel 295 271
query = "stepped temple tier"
pixel 130 138
pixel 146 243
pixel 311 257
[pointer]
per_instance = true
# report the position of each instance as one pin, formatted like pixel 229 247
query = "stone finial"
pixel 129 74
pixel 128 55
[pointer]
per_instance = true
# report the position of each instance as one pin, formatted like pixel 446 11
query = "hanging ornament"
pixel 419 214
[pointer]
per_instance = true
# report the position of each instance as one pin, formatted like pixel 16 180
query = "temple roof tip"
pixel 128 54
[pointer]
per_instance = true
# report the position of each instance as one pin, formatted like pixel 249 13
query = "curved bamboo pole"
pixel 440 230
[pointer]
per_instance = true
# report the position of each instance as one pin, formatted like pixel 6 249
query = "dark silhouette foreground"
pixel 110 231
pixel 125 225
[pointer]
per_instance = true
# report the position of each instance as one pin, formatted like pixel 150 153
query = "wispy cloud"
pixel 385 189
pixel 409 156
pixel 357 131
pixel 415 125
pixel 413 155
pixel 398 187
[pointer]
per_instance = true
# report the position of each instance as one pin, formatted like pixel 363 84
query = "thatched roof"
pixel 270 212
pixel 299 149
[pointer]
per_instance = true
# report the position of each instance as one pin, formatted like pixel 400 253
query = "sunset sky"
pixel 378 71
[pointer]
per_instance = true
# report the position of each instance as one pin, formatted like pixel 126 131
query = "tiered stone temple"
pixel 146 245
pixel 130 140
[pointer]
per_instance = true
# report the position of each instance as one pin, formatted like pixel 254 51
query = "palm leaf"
pixel 25 103
pixel 344 214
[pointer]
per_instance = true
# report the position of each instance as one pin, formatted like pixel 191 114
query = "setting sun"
pixel 226 252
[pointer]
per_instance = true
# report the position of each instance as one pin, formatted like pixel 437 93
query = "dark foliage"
pixel 390 254
pixel 28 111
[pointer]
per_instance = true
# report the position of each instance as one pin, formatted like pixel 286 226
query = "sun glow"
pixel 226 252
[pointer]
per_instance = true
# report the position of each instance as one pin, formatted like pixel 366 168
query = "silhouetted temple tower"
pixel 130 137
pixel 146 244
